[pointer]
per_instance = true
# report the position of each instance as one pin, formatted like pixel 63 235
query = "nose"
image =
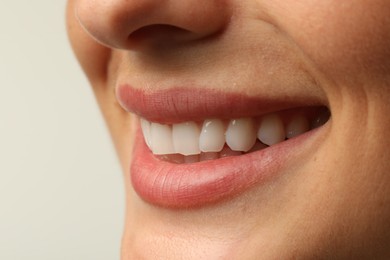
pixel 125 24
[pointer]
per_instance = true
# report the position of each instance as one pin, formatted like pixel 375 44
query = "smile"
pixel 191 142
pixel 189 154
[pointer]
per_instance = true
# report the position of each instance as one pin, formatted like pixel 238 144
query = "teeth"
pixel 241 135
pixel 212 138
pixel 186 138
pixel 161 139
pixel 191 142
pixel 271 130
pixel 298 125
pixel 145 125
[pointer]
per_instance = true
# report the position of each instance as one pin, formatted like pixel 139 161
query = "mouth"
pixel 191 142
pixel 195 148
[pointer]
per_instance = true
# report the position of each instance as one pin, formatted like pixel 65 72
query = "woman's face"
pixel 248 73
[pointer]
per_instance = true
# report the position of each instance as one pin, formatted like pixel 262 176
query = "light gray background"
pixel 61 191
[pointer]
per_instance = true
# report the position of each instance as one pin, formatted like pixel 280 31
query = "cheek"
pixel 344 39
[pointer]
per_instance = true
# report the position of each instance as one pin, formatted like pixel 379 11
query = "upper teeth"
pixel 190 138
pixel 212 136
pixel 241 134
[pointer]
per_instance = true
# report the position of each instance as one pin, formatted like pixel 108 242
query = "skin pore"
pixel 333 201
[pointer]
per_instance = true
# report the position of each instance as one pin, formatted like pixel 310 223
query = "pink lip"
pixel 190 185
pixel 193 104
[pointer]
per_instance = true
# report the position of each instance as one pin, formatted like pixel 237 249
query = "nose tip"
pixel 123 24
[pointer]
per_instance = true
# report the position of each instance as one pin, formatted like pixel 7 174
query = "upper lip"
pixel 181 104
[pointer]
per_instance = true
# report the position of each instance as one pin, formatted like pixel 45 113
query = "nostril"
pixel 124 24
pixel 160 34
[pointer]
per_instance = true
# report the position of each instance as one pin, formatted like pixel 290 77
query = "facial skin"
pixel 334 201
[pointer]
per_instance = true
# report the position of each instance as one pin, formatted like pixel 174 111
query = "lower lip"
pixel 172 185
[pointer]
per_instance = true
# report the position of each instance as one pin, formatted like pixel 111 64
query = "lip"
pixel 176 105
pixel 172 185
pixel 167 184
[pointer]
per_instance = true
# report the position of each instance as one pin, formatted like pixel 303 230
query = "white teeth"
pixel 241 135
pixel 271 130
pixel 145 125
pixel 186 138
pixel 298 125
pixel 161 139
pixel 189 143
pixel 212 138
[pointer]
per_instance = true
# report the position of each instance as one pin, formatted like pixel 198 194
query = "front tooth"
pixel 145 126
pixel 186 138
pixel 298 125
pixel 161 139
pixel 271 130
pixel 212 137
pixel 240 135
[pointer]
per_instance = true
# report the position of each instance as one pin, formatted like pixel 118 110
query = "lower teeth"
pixel 226 152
